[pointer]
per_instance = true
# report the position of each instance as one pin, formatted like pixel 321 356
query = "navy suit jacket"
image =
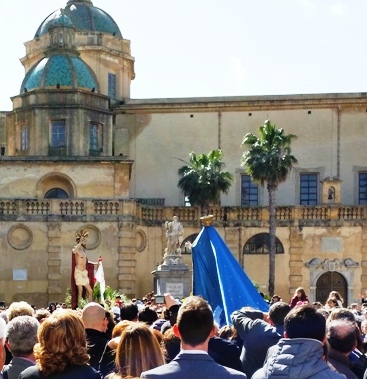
pixel 187 366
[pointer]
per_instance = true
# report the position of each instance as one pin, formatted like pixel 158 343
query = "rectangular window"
pixel 58 137
pixel 112 86
pixel 95 137
pixel 249 192
pixel 23 138
pixel 362 188
pixel 309 189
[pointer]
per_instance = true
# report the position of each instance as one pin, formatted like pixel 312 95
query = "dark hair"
pixel 342 335
pixel 148 315
pixel 278 311
pixel 195 320
pixel 305 322
pixel 128 312
pixel 333 300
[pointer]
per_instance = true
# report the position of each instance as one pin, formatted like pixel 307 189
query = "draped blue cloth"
pixel 218 278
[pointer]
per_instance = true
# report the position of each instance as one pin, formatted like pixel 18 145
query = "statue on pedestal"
pixel 174 234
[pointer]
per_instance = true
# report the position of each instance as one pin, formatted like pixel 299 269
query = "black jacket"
pixel 101 356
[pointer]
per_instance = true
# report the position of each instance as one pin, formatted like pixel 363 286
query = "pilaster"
pixel 296 264
pixel 127 258
pixel 54 288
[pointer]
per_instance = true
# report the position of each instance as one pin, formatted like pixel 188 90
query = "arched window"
pixel 191 239
pixel 56 193
pixel 259 244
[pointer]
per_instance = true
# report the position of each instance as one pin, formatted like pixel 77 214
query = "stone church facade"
pixel 77 152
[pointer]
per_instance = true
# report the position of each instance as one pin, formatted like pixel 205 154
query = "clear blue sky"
pixel 190 48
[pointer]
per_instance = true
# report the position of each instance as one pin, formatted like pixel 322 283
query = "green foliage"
pixel 269 157
pixel 109 297
pixel 203 179
pixel 109 294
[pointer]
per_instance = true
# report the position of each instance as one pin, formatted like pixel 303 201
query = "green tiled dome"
pixel 82 16
pixel 60 71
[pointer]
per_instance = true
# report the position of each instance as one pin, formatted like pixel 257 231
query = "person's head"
pixel 119 327
pixel 170 344
pixel 147 315
pixel 364 326
pixel 337 295
pixel 341 313
pixel 275 298
pixel 300 292
pixel 341 335
pixel 94 317
pixel 331 302
pixel 129 311
pixel 81 237
pixel 228 332
pixel 41 314
pixel 305 322
pixel 317 305
pixel 61 342
pixel 138 350
pixel 21 335
pixel 52 307
pixel 195 322
pixel 2 331
pixel 19 308
pixel 278 311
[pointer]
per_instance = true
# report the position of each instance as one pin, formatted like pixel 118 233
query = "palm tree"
pixel 203 178
pixel 269 160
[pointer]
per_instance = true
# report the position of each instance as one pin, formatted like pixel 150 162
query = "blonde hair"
pixel 137 351
pixel 62 342
pixel 19 308
pixel 120 327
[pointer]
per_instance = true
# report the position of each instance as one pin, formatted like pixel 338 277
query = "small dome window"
pixel 56 193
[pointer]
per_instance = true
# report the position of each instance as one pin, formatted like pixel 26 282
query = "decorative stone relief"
pixel 141 241
pixel 20 237
pixel 331 265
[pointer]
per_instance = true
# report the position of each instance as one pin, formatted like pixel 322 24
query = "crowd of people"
pixel 179 339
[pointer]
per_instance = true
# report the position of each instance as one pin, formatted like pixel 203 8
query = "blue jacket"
pixel 257 336
pixel 192 366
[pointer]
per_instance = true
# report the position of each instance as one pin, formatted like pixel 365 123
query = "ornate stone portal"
pixel 345 267
pixel 173 275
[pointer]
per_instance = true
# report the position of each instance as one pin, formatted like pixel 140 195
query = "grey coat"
pixel 299 358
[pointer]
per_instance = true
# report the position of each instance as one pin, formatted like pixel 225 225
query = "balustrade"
pixel 159 214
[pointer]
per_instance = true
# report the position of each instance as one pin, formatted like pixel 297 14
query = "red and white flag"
pixel 99 276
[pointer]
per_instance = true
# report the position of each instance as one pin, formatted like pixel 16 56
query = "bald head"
pixel 94 317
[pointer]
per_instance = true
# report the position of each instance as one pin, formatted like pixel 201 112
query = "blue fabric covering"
pixel 218 277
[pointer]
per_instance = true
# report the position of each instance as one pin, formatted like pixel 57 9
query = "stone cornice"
pixel 91 159
pixel 244 103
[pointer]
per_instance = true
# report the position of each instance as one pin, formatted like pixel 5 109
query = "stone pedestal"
pixel 173 276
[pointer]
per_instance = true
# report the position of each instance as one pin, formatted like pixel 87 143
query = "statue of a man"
pixel 82 275
pixel 174 234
